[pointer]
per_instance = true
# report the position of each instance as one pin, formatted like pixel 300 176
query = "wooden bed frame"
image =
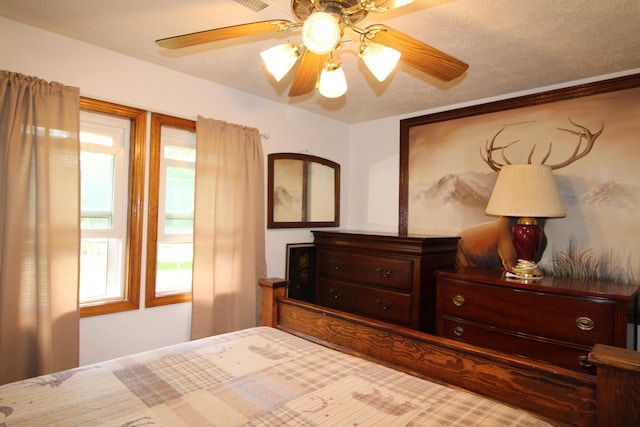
pixel 562 396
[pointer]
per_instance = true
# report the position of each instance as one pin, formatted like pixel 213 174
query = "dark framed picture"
pixel 300 271
pixel 587 133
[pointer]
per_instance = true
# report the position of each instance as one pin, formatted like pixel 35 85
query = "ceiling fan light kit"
pixel 323 23
pixel 379 59
pixel 321 33
pixel 279 60
pixel 333 83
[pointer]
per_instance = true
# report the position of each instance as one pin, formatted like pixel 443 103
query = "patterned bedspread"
pixel 254 377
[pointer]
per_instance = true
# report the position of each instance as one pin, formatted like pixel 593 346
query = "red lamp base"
pixel 527 237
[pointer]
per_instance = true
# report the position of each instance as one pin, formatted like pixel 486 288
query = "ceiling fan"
pixel 323 24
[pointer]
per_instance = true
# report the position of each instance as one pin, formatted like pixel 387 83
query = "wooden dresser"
pixel 383 276
pixel 553 319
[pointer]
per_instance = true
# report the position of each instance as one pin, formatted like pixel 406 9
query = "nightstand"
pixel 555 320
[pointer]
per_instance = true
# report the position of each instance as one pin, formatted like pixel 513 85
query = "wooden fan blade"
pixel 218 34
pixel 307 75
pixel 419 55
pixel 393 4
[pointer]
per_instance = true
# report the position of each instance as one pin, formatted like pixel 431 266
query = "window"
pixel 103 160
pixel 171 208
pixel 112 141
pixel 113 153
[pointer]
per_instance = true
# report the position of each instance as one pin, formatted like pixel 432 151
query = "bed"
pixel 308 365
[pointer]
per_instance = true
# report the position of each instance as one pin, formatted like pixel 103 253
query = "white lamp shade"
pixel 321 32
pixel 333 83
pixel 525 191
pixel 380 60
pixel 280 59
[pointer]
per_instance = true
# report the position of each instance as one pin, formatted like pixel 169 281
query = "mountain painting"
pixel 451 178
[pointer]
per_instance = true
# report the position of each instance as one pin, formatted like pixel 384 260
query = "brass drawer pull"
pixel 585 324
pixel 459 300
pixel 458 330
pixel 336 294
pixel 386 306
pixel 584 361
pixel 337 266
pixel 386 274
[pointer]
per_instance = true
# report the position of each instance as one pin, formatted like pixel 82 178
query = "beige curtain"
pixel 39 226
pixel 228 238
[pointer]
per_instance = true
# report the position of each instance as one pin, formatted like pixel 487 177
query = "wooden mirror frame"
pixel 301 187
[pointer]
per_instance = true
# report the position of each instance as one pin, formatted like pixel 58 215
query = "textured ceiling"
pixel 510 46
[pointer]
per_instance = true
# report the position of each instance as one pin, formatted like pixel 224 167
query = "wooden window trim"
pixel 133 248
pixel 157 121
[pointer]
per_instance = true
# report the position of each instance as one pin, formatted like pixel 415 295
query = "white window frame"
pixel 119 131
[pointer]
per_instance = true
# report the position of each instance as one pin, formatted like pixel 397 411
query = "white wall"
pixel 110 76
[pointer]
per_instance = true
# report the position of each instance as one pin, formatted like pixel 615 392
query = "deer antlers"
pixel 582 133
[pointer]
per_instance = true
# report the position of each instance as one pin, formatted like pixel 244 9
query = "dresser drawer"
pixel 389 272
pixel 380 303
pixel 584 320
pixel 561 354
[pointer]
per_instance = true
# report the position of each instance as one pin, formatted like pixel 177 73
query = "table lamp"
pixel 526 192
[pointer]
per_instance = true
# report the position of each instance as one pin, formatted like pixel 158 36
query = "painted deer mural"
pixel 490 244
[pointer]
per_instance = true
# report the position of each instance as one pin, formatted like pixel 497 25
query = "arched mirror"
pixel 304 191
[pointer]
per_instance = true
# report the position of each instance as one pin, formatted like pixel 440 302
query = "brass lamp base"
pixel 525 270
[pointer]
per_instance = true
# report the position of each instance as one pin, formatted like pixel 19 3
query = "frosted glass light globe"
pixel 321 32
